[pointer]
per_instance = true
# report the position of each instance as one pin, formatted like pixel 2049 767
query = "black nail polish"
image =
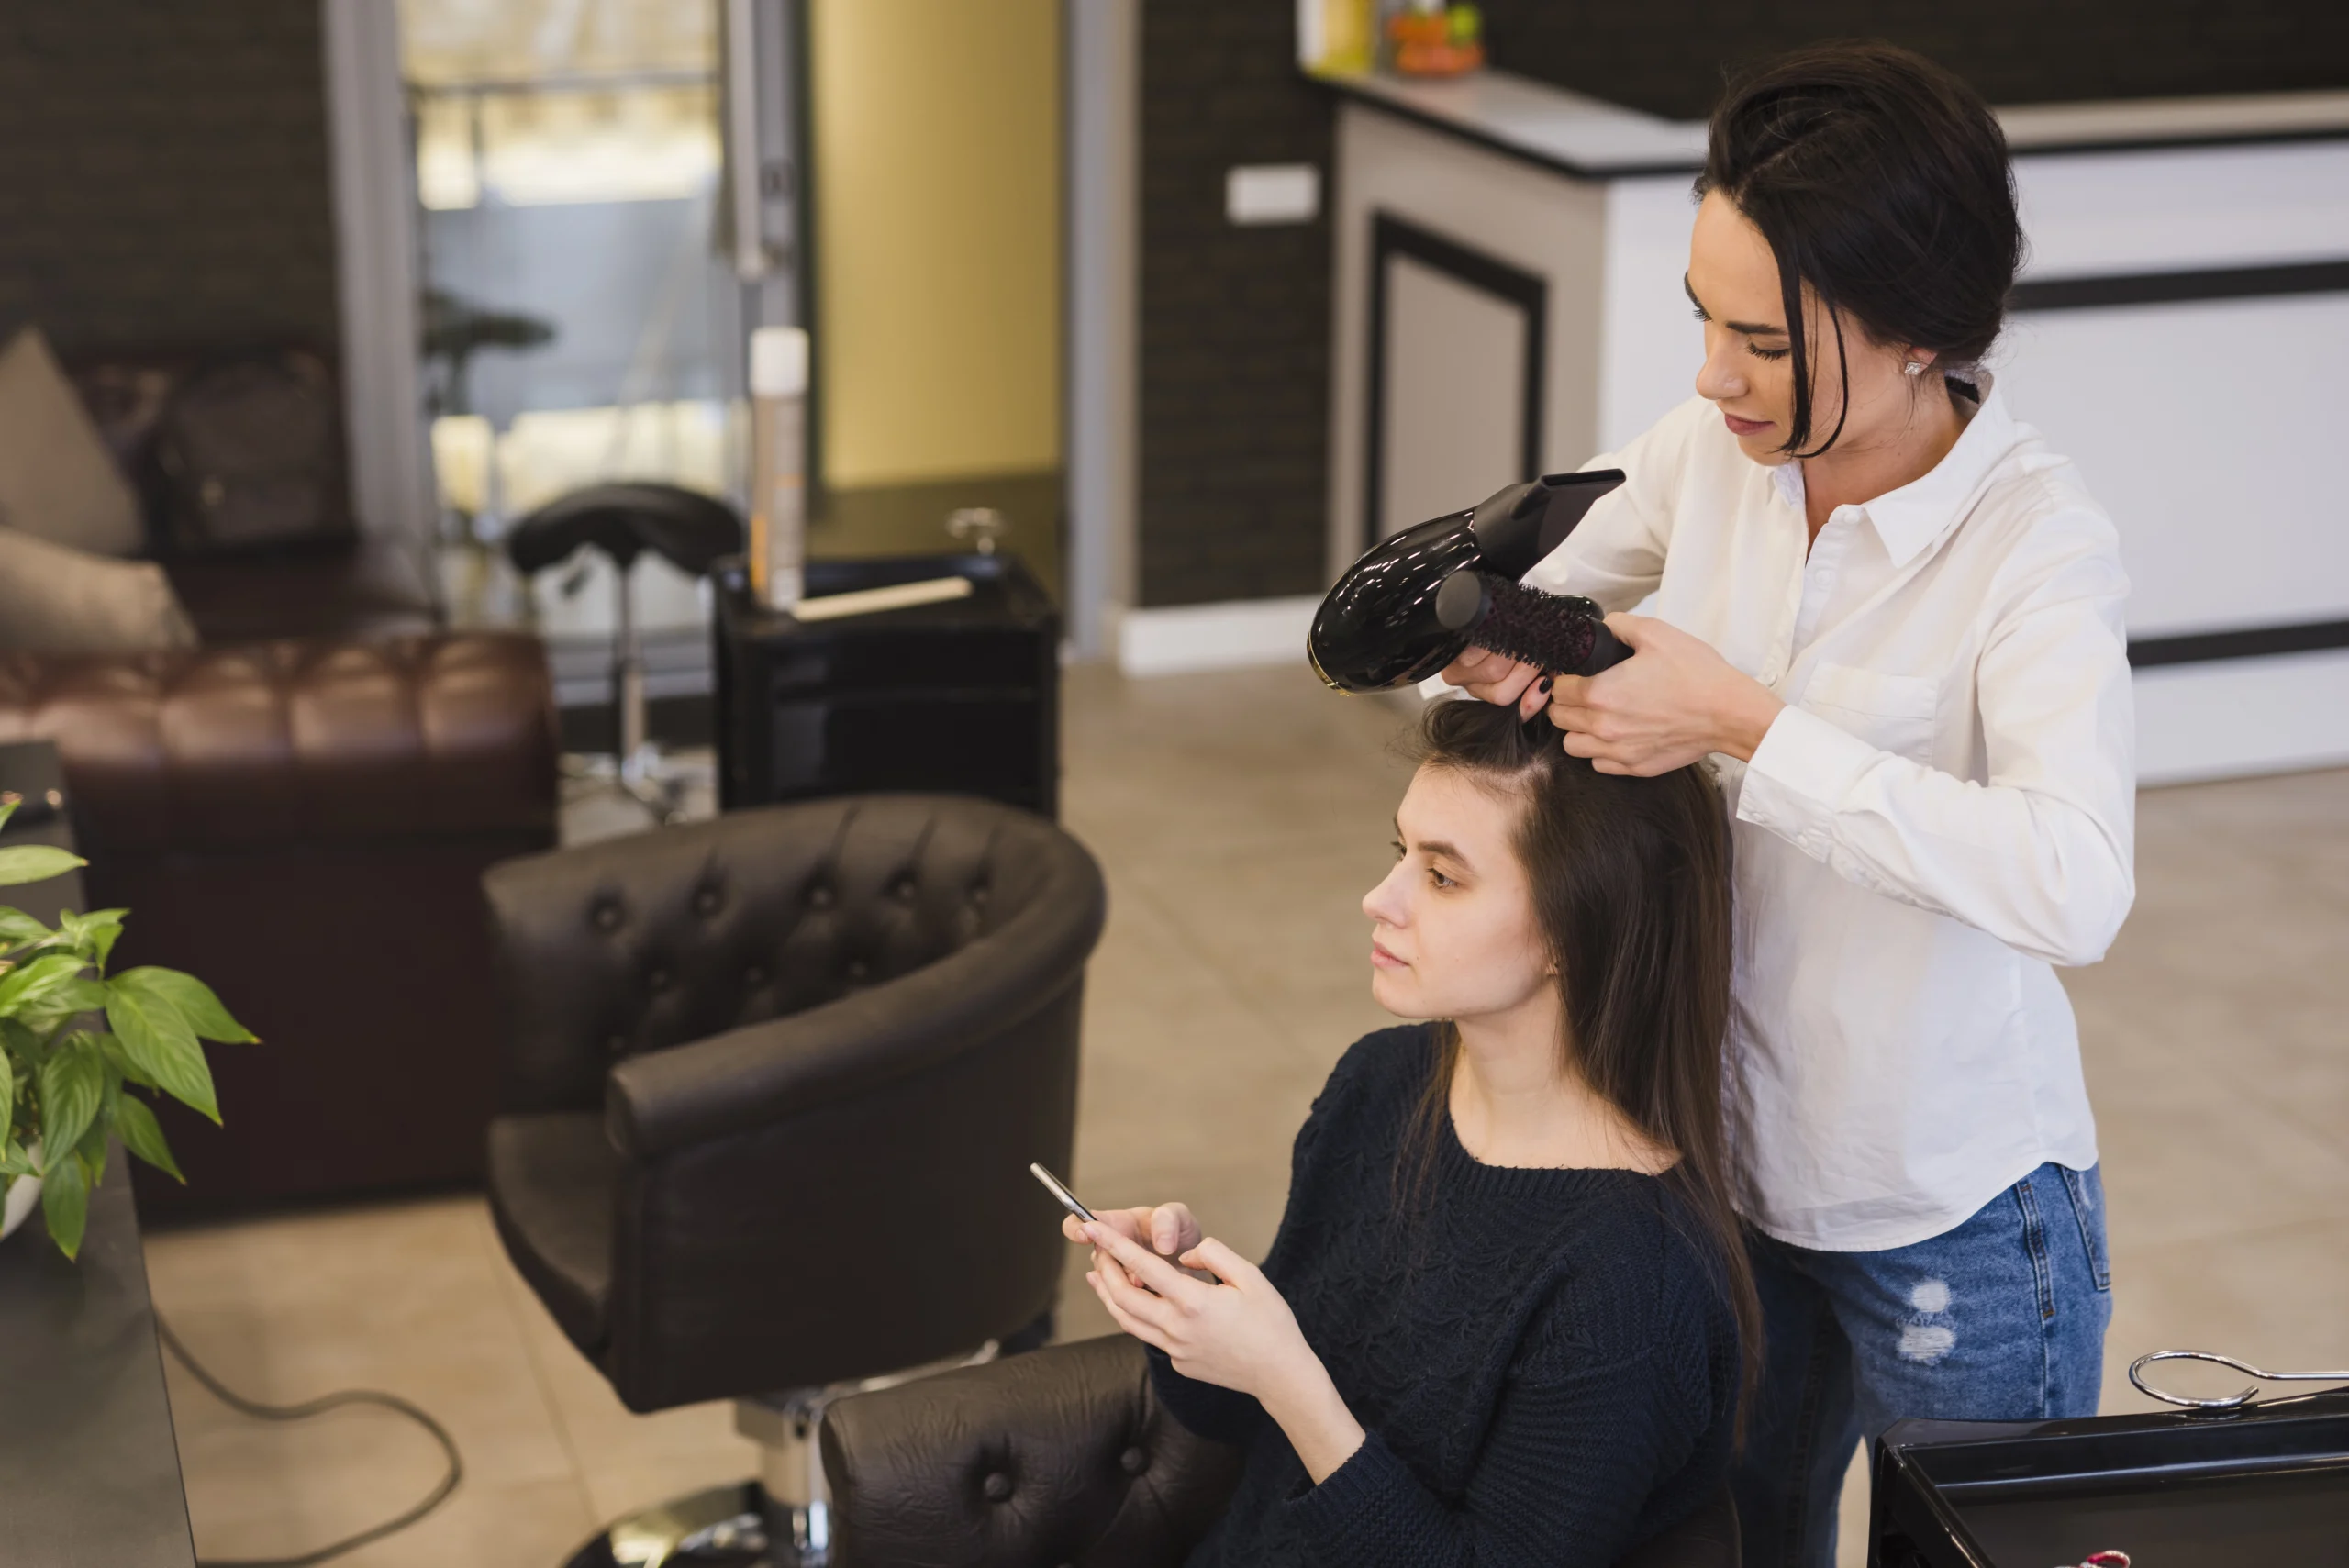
pixel 1545 682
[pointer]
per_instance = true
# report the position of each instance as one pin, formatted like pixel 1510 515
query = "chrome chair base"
pixel 645 778
pixel 783 1520
pixel 725 1527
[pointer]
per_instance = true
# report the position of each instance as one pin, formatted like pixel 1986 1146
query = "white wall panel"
pixel 2210 432
pixel 1650 343
pixel 1529 218
pixel 2242 716
pixel 2177 208
pixel 1455 405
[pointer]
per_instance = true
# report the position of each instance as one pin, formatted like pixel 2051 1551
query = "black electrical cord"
pixel 303 1412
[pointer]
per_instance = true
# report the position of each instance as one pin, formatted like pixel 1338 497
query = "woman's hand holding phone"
pixel 1226 1325
pixel 1166 1229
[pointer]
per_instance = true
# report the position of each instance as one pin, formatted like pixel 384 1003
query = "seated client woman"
pixel 1501 1320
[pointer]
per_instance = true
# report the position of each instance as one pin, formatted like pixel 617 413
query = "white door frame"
pixel 1101 166
pixel 392 489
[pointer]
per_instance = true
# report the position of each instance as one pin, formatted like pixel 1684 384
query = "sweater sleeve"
pixel 1218 1414
pixel 1579 1440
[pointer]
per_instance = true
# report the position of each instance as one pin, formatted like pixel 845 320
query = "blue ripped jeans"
pixel 2002 1319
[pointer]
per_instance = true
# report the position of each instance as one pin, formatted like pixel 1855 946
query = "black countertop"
pixel 89 1468
pixel 1576 134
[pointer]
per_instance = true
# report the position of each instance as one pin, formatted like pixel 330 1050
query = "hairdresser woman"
pixel 1897 617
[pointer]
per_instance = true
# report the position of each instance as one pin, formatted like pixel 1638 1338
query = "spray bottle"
pixel 778 465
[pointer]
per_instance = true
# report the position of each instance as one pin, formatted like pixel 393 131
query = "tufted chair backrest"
pixel 1063 1455
pixel 661 938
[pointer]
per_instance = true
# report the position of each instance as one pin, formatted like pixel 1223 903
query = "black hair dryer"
pixel 1414 602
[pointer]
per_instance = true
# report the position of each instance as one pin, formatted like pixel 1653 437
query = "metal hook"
pixel 2232 1401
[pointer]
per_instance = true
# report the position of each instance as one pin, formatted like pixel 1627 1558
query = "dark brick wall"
pixel 1668 56
pixel 1235 322
pixel 163 173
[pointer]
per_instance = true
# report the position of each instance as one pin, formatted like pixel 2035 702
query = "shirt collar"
pixel 1909 518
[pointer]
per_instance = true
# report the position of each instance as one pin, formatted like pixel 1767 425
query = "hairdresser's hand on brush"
pixel 1673 701
pixel 1497 678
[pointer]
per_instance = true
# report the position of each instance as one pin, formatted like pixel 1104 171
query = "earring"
pixel 1914 367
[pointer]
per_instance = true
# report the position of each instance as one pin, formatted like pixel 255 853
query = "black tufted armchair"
pixel 743 1055
pixel 1065 1457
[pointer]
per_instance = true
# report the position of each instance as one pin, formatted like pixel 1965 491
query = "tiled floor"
pixel 1241 816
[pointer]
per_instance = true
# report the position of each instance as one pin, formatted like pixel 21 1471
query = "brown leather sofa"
pixel 303 823
pixel 1064 1455
pixel 343 583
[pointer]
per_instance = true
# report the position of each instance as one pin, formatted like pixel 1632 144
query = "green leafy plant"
pixel 67 1083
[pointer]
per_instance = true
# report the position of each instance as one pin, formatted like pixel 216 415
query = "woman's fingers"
pixel 1475 664
pixel 1221 1262
pixel 1130 1297
pixel 1148 1334
pixel 1172 1230
pixel 1143 1263
pixel 1490 677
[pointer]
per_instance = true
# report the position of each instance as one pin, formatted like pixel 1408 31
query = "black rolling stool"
pixel 685 528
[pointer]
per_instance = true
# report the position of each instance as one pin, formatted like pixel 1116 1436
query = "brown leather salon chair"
pixel 1065 1457
pixel 772 1084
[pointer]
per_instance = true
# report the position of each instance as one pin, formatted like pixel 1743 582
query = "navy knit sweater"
pixel 1544 1359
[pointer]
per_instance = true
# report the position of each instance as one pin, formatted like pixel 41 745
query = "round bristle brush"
pixel 1560 634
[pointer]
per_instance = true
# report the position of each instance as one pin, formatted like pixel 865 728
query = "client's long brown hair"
pixel 1631 883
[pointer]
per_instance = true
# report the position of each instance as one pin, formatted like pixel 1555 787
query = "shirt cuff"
pixel 1800 775
pixel 1340 1517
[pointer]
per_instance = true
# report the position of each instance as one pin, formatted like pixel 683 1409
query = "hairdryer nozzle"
pixel 1563 634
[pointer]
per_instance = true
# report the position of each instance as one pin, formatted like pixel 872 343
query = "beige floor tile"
pixel 625 1462
pixel 539 1523
pixel 1177 1065
pixel 2269 1294
pixel 2189 1153
pixel 1283 928
pixel 399 1298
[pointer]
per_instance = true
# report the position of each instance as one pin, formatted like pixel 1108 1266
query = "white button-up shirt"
pixel 1944 809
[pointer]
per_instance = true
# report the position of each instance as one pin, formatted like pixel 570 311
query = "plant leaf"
pixel 21 863
pixel 13 1163
pixel 92 1151
pixel 73 1086
pixel 22 1043
pixel 16 927
pixel 8 1093
pixel 111 1048
pixel 191 997
pixel 65 1203
pixel 93 934
pixel 162 1044
pixel 75 997
pixel 143 1136
pixel 23 986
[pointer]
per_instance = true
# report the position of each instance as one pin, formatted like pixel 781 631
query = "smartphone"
pixel 1067 1198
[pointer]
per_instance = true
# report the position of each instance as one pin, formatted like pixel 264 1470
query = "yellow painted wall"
pixel 938 194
